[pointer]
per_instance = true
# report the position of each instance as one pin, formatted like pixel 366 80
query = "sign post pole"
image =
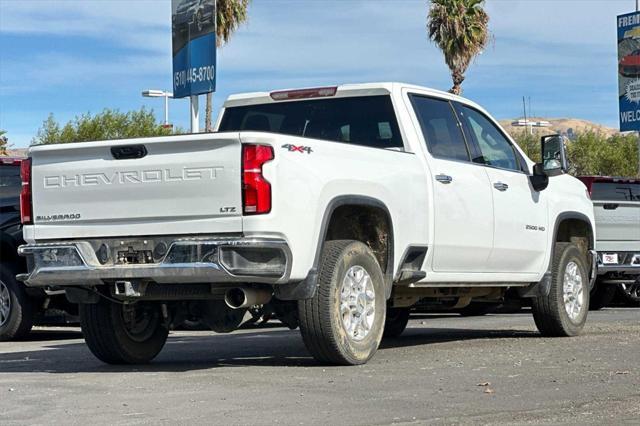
pixel 195 115
pixel 193 33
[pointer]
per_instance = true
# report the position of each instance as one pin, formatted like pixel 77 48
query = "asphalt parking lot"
pixel 445 369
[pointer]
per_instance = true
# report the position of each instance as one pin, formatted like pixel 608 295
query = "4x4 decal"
pixel 297 148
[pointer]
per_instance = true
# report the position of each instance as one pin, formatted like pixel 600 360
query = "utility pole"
pixel 638 10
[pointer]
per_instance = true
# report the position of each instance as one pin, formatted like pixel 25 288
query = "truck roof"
pixel 344 90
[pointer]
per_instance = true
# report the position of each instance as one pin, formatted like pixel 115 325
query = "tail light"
pixel 256 190
pixel 26 210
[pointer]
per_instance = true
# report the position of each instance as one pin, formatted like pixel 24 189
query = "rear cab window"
pixel 614 191
pixel 362 120
pixel 10 182
pixel 440 128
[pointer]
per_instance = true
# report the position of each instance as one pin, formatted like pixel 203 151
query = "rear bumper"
pixel 628 263
pixel 187 261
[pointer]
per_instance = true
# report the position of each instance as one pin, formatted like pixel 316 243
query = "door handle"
pixel 501 186
pixel 611 206
pixel 444 179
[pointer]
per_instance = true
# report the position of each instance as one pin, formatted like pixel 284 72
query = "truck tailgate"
pixel 617 220
pixel 155 186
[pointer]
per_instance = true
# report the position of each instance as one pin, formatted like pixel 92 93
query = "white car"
pixel 339 208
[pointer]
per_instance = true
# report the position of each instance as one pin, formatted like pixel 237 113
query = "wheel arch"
pixel 575 227
pixel 338 209
pixel 572 224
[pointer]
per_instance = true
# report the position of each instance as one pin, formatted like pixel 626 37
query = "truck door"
pixel 463 210
pixel 520 214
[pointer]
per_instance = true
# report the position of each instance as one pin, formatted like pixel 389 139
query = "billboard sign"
pixel 194 47
pixel 629 71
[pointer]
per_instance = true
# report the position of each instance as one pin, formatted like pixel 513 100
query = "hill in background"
pixel 564 126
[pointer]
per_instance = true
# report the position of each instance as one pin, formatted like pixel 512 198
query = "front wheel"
pixel 344 321
pixel 563 312
pixel 123 334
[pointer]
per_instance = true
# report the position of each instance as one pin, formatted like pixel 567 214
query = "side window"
pixel 440 128
pixel 495 149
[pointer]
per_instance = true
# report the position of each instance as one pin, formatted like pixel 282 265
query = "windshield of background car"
pixel 366 120
pixel 613 191
pixel 10 182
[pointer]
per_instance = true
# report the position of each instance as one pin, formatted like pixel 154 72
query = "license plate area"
pixel 610 258
pixel 131 256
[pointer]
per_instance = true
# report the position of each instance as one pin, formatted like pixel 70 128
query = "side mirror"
pixel 554 155
pixel 539 179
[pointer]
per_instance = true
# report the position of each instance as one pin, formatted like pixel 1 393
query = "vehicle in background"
pixel 196 13
pixel 20 307
pixel 616 203
pixel 629 65
pixel 338 209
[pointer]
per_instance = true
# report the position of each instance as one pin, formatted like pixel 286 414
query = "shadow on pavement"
pixel 202 350
pixel 48 335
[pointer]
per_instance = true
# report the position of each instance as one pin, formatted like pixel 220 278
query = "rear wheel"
pixel 396 322
pixel 123 334
pixel 564 311
pixel 16 308
pixel 344 321
pixel 601 296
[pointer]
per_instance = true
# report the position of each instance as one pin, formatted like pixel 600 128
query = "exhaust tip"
pixel 235 298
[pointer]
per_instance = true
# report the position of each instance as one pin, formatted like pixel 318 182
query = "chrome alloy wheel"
pixel 357 303
pixel 5 303
pixel 573 291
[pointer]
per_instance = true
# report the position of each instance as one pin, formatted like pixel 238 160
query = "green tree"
pixel 460 28
pixel 106 125
pixel 4 142
pixel 591 153
pixel 230 14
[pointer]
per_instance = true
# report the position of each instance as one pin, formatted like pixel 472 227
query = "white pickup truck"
pixel 337 208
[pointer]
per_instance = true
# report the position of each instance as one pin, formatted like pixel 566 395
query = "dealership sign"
pixel 194 47
pixel 629 71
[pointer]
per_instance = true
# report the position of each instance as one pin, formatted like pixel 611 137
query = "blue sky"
pixel 69 57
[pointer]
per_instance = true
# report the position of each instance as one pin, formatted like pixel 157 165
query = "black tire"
pixel 601 296
pixel 630 293
pixel 321 321
pixel 16 318
pixel 113 341
pixel 396 322
pixel 549 312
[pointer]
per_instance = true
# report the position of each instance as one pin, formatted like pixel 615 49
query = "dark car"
pixel 20 307
pixel 198 13
pixel 629 66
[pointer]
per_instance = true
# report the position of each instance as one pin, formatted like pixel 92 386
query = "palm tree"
pixel 230 14
pixel 460 29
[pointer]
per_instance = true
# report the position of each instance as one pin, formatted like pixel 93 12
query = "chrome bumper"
pixel 629 263
pixel 188 261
